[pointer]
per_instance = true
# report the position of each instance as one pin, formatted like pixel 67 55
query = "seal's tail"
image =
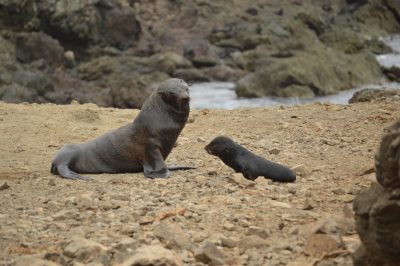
pixel 177 167
pixel 64 171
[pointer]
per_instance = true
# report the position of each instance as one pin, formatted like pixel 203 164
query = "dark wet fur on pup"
pixel 245 162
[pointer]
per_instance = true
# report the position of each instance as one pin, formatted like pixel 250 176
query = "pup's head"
pixel 220 146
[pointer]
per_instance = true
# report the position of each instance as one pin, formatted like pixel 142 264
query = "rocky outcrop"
pixel 82 23
pixel 309 74
pixel 378 208
pixel 375 95
pixel 114 52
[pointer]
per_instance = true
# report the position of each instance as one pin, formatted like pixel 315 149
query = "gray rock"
pixel 153 255
pixel 172 235
pixel 33 260
pixel 252 241
pixel 91 22
pixel 84 250
pixel 37 45
pixel 375 95
pixel 210 254
pixel 310 73
pixel 258 231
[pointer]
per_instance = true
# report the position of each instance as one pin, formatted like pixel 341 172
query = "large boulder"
pixel 375 95
pixel 93 22
pixel 309 74
pixel 377 210
pixel 18 14
pixel 38 45
pixel 129 80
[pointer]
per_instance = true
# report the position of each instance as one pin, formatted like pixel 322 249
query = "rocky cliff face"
pixel 112 53
pixel 378 208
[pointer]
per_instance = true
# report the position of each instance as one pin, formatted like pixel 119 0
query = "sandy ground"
pixel 243 223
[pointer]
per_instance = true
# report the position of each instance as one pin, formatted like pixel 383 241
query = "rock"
pixel 91 22
pixel 339 191
pixel 4 186
pixel 210 254
pixel 33 260
pixel 153 255
pixel 169 62
pixel 64 215
pixel 313 21
pixel 252 241
pixel 38 45
pixel 387 161
pixel 377 213
pixel 228 242
pixel 274 151
pixel 308 204
pixel 222 72
pixel 302 170
pixel 172 236
pixel 191 75
pixel 309 74
pixel 319 244
pixel 84 250
pixel 240 180
pixel 344 40
pixel 375 95
pixel 332 225
pixel 261 232
pixel 279 204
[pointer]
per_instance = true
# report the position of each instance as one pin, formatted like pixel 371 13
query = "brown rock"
pixel 319 244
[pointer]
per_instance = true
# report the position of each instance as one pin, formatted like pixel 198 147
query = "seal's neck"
pixel 180 105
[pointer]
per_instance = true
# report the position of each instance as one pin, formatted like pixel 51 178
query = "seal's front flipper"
pixel 155 166
pixel 64 171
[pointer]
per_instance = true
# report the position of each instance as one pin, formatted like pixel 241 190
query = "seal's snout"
pixel 208 149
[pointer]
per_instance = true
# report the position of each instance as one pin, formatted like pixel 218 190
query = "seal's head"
pixel 174 88
pixel 220 146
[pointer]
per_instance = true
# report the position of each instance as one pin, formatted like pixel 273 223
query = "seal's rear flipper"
pixel 65 172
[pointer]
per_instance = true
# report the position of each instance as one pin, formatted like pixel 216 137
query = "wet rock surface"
pixel 113 53
pixel 375 95
pixel 207 215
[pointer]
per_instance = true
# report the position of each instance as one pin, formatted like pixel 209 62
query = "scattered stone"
pixel 261 232
pixel 4 186
pixel 65 215
pixel 51 182
pixel 274 151
pixel 308 204
pixel 319 244
pixel 228 242
pixel 228 226
pixel 339 191
pixel 153 255
pixel 279 204
pixel 210 254
pixel 240 180
pixel 302 170
pixel 172 236
pixel 84 250
pixel 252 241
pixel 33 260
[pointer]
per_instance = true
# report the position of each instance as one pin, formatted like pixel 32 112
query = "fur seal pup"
pixel 245 162
pixel 139 146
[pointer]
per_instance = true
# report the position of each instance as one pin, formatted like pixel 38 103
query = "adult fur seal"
pixel 247 163
pixel 139 146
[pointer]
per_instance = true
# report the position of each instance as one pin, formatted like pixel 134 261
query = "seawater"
pixel 222 94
